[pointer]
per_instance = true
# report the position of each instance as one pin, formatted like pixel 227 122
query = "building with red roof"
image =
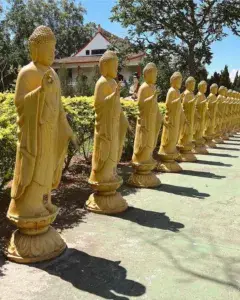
pixel 87 58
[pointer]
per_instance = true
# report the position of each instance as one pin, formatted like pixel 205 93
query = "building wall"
pixel 98 42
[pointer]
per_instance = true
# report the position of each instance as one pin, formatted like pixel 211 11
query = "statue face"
pixel 112 68
pixel 177 82
pixel 191 86
pixel 151 76
pixel 203 88
pixel 46 53
pixel 214 90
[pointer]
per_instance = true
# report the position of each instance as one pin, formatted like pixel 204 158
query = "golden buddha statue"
pixel 225 116
pixel 174 117
pixel 110 130
pixel 43 136
pixel 201 107
pixel 185 142
pixel 220 115
pixel 147 131
pixel 209 130
pixel 229 113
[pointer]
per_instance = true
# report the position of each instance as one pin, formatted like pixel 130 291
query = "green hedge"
pixel 80 112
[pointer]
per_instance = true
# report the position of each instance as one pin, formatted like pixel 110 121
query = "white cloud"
pixel 232 74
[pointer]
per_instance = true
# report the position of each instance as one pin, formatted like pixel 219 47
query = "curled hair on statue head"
pixel 41 35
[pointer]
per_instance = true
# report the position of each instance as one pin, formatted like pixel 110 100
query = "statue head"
pixel 229 93
pixel 222 90
pixel 202 86
pixel 150 73
pixel 42 45
pixel 190 84
pixel 176 80
pixel 108 64
pixel 214 89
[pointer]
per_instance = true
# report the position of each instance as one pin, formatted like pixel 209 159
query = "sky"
pixel 225 52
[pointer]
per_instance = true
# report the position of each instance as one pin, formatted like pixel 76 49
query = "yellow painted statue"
pixel 212 105
pixel 43 136
pixel 110 130
pixel 147 131
pixel 201 107
pixel 220 115
pixel 168 153
pixel 185 142
pixel 224 128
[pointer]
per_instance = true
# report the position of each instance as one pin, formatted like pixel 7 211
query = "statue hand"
pixel 47 81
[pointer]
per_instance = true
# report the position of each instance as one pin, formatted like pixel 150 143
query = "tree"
pixel 65 17
pixel 235 82
pixel 181 31
pixel 215 78
pixel 225 78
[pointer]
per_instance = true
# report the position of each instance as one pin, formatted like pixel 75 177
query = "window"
pixel 69 73
pixel 87 52
pixel 98 51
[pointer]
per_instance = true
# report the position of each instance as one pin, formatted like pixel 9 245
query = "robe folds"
pixel 43 132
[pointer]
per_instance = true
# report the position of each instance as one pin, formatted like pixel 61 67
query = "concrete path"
pixel 178 242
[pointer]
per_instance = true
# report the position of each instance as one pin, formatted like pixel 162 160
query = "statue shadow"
pixel 2 263
pixel 182 191
pixel 202 174
pixel 229 149
pixel 212 163
pixel 222 155
pixel 94 275
pixel 70 197
pixel 234 144
pixel 149 219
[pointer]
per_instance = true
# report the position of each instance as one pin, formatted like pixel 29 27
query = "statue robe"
pixel 109 134
pixel 172 121
pixel 147 129
pixel 43 132
pixel 186 132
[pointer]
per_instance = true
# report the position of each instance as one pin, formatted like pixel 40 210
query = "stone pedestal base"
pixel 25 248
pixel 143 176
pixel 168 167
pixel 106 200
pixel 218 140
pixel 35 240
pixel 200 149
pixel 211 144
pixel 167 163
pixel 187 157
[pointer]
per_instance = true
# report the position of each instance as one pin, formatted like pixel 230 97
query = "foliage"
pixel 180 31
pixel 225 78
pixel 8 137
pixel 81 116
pixel 236 83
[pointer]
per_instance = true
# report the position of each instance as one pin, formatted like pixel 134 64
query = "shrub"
pixel 81 116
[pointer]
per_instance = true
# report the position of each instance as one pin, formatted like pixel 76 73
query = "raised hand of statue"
pixel 47 81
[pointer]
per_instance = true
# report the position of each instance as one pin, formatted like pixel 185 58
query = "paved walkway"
pixel 178 242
